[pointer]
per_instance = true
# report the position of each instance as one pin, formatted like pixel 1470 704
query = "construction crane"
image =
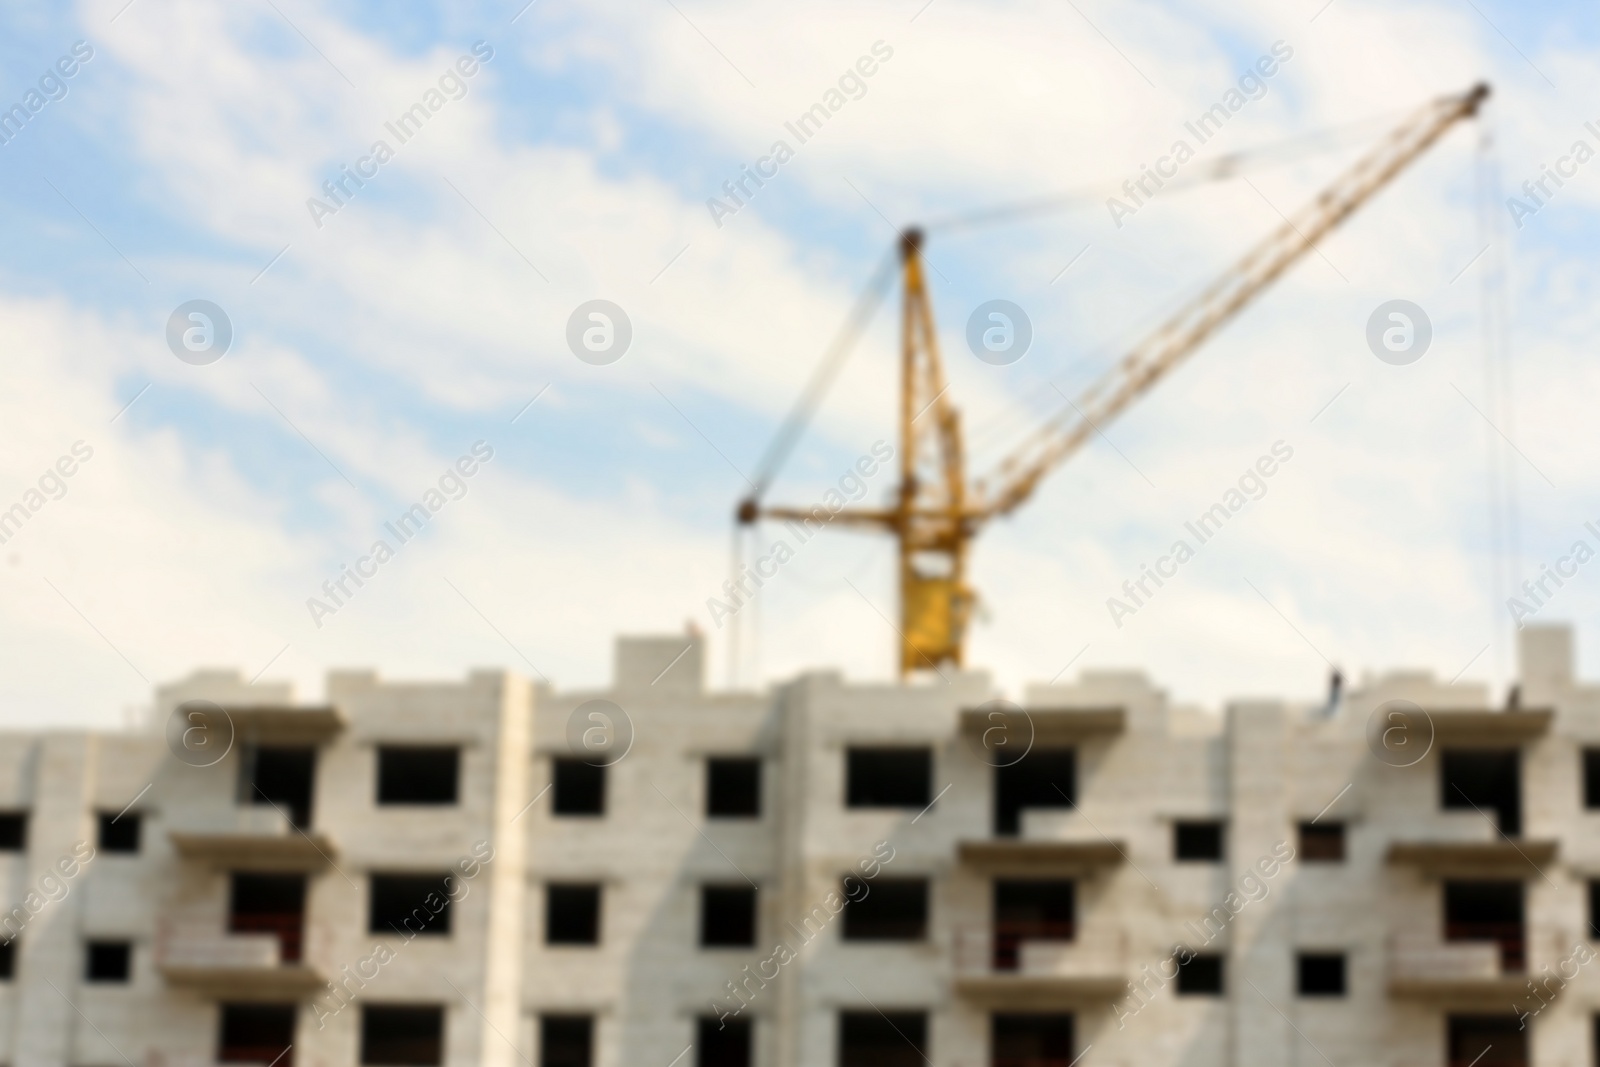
pixel 935 513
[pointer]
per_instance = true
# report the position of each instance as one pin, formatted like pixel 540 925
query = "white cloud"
pixel 171 544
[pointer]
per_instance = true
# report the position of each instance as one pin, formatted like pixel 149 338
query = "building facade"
pixel 491 872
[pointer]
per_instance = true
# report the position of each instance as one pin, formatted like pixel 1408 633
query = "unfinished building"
pixel 491 872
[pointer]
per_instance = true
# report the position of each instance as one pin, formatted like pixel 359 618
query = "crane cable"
pixel 822 378
pixel 1501 470
pixel 789 431
pixel 1223 168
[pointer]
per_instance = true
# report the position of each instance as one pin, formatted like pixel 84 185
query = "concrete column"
pixel 508 874
pixel 1261 978
pixel 49 949
pixel 793 768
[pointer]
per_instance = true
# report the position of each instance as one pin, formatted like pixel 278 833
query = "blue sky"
pixel 424 316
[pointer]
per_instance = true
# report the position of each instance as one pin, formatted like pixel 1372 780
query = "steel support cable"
pixel 1501 468
pixel 1222 168
pixel 822 378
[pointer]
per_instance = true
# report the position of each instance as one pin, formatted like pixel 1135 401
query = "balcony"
pixel 1475 963
pixel 252 838
pixel 1033 856
pixel 1007 968
pixel 1501 857
pixel 229 966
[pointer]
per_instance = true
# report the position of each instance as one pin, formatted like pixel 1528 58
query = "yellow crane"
pixel 935 513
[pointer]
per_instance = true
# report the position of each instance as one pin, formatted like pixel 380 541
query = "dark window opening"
pixel 1321 974
pixel 281 777
pixel 733 787
pixel 119 831
pixel 270 904
pixel 566 1040
pixel 108 961
pixel 882 1039
pixel 580 789
pixel 1322 842
pixel 13 831
pixel 1030 911
pixel 893 909
pixel 1594 909
pixel 1484 780
pixel 8 960
pixel 1201 976
pixel 256 1033
pixel 402 1035
pixel 722 1042
pixel 1487 1041
pixel 571 914
pixel 727 915
pixel 1487 911
pixel 408 904
pixel 412 774
pixel 888 777
pixel 1032 1040
pixel 1197 841
pixel 1591 777
pixel 1044 778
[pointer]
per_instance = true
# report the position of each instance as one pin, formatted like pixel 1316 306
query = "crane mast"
pixel 935 515
pixel 931 515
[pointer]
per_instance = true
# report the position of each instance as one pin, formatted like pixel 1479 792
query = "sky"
pixel 388 336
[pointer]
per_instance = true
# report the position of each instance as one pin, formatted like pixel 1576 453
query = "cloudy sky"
pixel 378 337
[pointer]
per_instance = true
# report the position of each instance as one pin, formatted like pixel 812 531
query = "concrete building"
pixel 491 872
